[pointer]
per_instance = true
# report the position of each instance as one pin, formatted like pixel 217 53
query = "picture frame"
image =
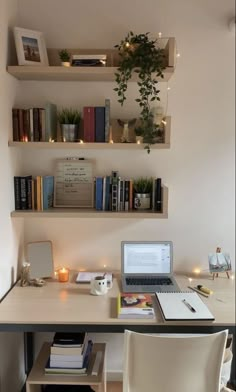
pixel 74 183
pixel 30 47
pixel 219 262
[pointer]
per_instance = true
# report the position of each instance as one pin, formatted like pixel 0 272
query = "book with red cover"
pixel 134 305
pixel 89 124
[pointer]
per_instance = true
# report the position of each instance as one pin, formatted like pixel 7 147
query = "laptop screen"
pixel 150 257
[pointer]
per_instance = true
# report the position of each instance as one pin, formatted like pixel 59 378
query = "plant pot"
pixel 65 63
pixel 142 201
pixel 70 132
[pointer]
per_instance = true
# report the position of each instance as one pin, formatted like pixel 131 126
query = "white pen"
pixel 189 306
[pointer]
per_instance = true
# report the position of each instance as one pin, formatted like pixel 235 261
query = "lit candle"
pixel 63 275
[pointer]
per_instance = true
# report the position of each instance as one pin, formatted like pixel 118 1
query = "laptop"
pixel 147 266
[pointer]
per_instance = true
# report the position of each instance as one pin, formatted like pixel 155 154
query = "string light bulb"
pixel 178 54
pixel 160 34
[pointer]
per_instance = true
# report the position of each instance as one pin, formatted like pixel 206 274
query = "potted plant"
pixel 140 54
pixel 142 188
pixel 69 120
pixel 65 57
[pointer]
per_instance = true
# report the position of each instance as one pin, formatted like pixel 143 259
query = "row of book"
pixel 112 193
pixel 33 193
pixel 96 123
pixel 40 124
pixel 69 353
pixel 35 124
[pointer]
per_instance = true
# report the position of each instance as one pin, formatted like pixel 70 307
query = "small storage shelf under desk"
pixel 37 376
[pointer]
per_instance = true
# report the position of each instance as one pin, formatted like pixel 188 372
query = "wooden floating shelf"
pixel 86 146
pixel 82 74
pixel 86 213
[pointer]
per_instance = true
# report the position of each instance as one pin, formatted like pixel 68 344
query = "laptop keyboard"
pixel 149 281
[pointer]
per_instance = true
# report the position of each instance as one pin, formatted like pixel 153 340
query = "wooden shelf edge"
pixel 76 213
pixel 59 73
pixel 87 146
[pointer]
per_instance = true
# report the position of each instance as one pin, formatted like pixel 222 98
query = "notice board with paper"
pixel 74 183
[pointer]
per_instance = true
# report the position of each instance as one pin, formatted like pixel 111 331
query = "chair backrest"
pixel 155 363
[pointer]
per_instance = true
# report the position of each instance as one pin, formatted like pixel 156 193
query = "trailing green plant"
pixel 64 55
pixel 140 54
pixel 143 185
pixel 69 116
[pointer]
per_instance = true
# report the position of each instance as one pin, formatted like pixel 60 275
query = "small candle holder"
pixel 63 274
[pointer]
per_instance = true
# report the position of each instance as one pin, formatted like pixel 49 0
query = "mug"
pixel 100 285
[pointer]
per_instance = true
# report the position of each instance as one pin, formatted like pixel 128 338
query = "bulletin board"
pixel 74 183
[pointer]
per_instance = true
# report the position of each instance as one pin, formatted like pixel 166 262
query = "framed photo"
pixel 74 183
pixel 219 262
pixel 30 47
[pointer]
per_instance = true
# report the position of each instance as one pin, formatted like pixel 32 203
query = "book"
pixel 135 305
pixel 17 192
pixel 99 193
pixel 15 125
pixel 68 339
pixel 99 124
pixel 107 119
pixel 67 359
pixel 158 195
pixel 177 306
pixel 89 124
pixel 71 370
pixel 48 191
pixel 86 277
pixel 50 122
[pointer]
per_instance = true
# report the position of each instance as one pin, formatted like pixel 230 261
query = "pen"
pixel 189 306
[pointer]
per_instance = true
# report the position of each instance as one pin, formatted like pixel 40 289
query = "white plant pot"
pixel 142 201
pixel 65 63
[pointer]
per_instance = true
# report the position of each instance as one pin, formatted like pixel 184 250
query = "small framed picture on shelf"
pixel 219 262
pixel 30 47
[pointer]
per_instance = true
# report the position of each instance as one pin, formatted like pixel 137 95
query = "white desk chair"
pixel 173 364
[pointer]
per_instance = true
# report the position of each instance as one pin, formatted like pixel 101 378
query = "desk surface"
pixel 70 306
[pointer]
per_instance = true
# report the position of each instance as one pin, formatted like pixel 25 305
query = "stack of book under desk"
pixel 69 354
pixel 95 375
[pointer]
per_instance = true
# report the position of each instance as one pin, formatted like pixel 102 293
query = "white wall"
pixel 11 233
pixel 199 167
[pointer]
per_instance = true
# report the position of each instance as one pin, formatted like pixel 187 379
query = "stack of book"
pixel 33 193
pixel 69 354
pixel 35 124
pixel 96 123
pixel 134 305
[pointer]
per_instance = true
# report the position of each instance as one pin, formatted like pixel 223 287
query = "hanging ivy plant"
pixel 140 54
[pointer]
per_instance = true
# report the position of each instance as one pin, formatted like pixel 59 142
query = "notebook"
pixel 183 306
pixel 147 267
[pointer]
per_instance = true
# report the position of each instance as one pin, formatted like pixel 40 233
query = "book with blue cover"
pixel 48 191
pixel 99 193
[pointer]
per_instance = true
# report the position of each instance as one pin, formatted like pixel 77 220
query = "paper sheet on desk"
pixel 86 277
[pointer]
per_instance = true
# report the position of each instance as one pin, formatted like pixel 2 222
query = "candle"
pixel 63 275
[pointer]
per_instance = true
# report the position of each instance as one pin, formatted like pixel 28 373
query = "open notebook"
pixel 183 306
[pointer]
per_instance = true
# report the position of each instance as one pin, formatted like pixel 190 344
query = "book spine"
pixel 100 124
pixel 17 193
pixel 89 124
pixel 126 195
pixel 114 190
pixel 26 122
pixel 158 195
pixel 42 125
pixel 107 119
pixel 23 193
pixel 21 125
pixel 107 191
pixel 36 124
pixel 122 195
pixel 50 122
pixel 99 189
pixel 38 193
pixel 29 192
pixel 15 125
pixel 131 195
pixel 48 190
pixel 31 125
